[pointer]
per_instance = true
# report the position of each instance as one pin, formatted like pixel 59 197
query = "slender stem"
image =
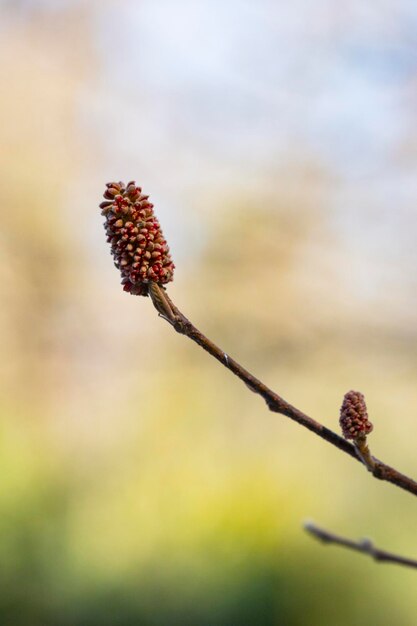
pixel 364 545
pixel 363 452
pixel 275 402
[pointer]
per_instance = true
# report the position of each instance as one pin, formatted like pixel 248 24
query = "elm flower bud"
pixel 354 416
pixel 138 246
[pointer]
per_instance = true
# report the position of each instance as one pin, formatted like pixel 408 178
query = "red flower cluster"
pixel 354 416
pixel 138 246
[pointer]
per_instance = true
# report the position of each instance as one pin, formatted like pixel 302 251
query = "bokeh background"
pixel 141 484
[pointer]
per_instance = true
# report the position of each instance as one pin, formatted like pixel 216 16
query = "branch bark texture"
pixel 275 402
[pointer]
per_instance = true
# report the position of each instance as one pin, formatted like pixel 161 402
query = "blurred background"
pixel 141 484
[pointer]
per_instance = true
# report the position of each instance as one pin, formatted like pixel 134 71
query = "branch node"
pixel 363 452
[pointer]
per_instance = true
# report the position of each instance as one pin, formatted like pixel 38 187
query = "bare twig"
pixel 275 402
pixel 364 545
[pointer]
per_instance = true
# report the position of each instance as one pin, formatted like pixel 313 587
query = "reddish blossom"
pixel 138 246
pixel 354 416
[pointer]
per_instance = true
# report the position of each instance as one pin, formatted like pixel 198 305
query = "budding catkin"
pixel 138 246
pixel 354 416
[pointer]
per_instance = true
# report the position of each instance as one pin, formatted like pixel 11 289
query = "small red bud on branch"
pixel 138 246
pixel 356 425
pixel 354 416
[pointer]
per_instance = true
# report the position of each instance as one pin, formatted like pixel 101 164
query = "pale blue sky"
pixel 229 89
pixel 191 94
pixel 256 77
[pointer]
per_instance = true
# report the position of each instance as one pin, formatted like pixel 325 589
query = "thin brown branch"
pixel 275 402
pixel 364 545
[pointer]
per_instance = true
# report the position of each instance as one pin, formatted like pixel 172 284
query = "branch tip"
pixel 365 546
